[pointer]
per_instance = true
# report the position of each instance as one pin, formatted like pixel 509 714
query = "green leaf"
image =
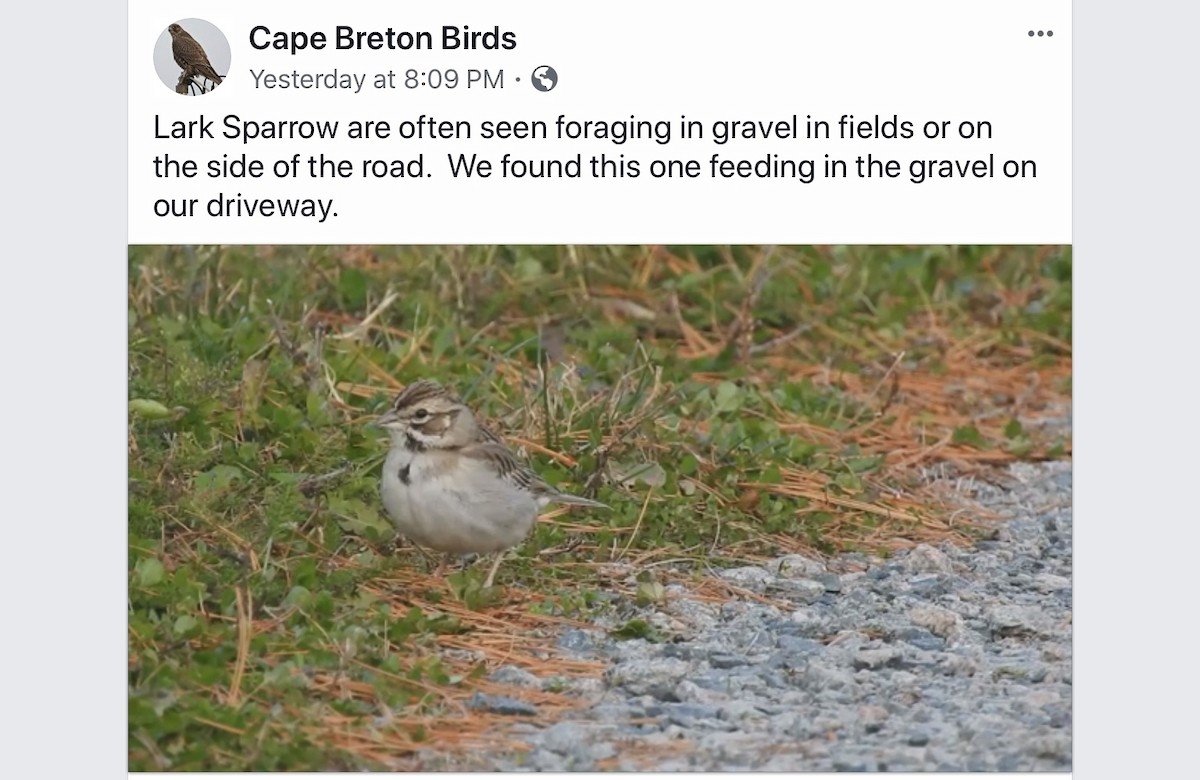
pixel 298 596
pixel 150 410
pixel 649 473
pixel 149 572
pixel 185 625
pixel 353 285
pixel 315 409
pixel 726 398
pixel 529 268
pixel 217 478
pixel 863 464
pixel 771 475
pixel 649 593
pixel 848 482
pixel 1020 446
pixel 360 518
pixel 969 435
pixel 1013 429
pixel 637 629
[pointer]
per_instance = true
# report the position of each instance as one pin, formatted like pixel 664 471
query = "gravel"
pixel 935 659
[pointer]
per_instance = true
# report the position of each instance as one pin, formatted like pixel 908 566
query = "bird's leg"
pixel 437 565
pixel 440 571
pixel 424 553
pixel 495 567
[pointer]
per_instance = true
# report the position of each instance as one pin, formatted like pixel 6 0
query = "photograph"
pixel 191 57
pixel 590 507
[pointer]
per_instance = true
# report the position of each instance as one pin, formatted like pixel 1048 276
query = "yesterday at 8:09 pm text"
pixel 434 78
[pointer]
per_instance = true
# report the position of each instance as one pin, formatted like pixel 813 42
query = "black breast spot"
pixel 403 473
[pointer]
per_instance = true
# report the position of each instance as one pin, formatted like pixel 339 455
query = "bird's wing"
pixel 487 434
pixel 507 465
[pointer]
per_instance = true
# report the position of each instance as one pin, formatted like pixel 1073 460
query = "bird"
pixel 190 56
pixel 450 483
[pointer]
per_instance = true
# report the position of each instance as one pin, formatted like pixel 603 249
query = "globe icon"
pixel 545 78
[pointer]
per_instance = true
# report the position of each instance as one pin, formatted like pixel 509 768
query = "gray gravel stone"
pixel 878 658
pixel 803 591
pixel 726 660
pixel 831 582
pixel 1011 620
pixel 500 705
pixel 1050 582
pixel 794 646
pixel 924 559
pixel 515 675
pixel 577 642
pixel 939 659
pixel 753 578
pixel 939 621
pixel 565 738
pixel 650 676
pixel 796 566
pixel 921 638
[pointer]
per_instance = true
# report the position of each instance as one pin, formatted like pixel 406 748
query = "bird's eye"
pixel 421 414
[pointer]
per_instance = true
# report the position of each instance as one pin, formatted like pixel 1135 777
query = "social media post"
pixel 306 124
pixel 652 389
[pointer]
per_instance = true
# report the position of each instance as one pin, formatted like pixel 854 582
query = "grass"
pixel 730 404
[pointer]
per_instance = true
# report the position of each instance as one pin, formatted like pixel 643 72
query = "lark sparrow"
pixel 450 484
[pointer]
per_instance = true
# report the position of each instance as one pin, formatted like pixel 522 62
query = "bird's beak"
pixel 385 420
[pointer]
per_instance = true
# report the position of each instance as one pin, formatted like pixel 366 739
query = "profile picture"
pixel 192 57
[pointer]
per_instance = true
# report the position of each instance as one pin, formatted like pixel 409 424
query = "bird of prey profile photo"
pixel 190 56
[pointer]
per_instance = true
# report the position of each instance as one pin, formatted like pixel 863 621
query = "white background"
pixel 920 59
pixel 63 333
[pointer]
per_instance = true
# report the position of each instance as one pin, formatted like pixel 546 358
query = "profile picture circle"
pixel 192 57
pixel 545 78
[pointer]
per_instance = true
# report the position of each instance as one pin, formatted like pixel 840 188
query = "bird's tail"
pixel 567 498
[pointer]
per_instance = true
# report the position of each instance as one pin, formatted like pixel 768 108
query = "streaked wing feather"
pixel 488 434
pixel 509 466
